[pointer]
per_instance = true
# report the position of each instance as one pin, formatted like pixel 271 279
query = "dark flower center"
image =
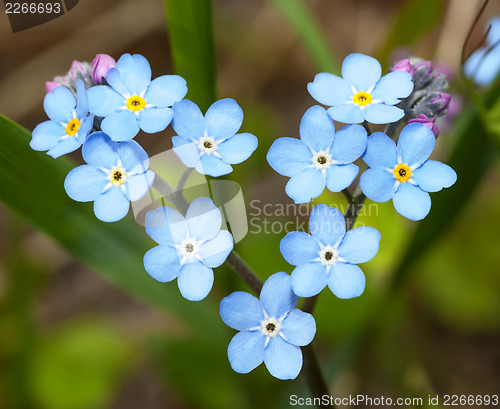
pixel 328 255
pixel 270 327
pixel 402 172
pixel 189 248
pixel 117 176
pixel 321 160
pixel 207 144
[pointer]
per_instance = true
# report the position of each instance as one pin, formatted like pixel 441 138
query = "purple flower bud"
pixel 427 65
pixel 422 119
pixel 50 86
pixel 77 67
pixel 100 67
pixel 404 65
pixel 443 99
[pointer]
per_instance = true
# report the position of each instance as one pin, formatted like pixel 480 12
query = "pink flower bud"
pixel 443 99
pixel 77 67
pixel 422 119
pixel 404 65
pixel 100 67
pixel 50 86
pixel 427 65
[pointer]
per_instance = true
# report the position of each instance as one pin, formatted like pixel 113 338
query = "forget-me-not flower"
pixel 362 94
pixel 69 123
pixel 403 173
pixel 210 144
pixel 272 330
pixel 320 157
pixel 133 101
pixel 189 247
pixel 328 256
pixel 115 175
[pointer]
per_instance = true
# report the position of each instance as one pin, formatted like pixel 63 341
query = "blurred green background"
pixel 83 326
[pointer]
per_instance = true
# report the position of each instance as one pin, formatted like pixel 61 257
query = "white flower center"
pixel 328 255
pixel 117 176
pixel 322 160
pixel 270 327
pixel 207 144
pixel 189 249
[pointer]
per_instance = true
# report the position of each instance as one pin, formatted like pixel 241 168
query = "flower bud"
pixel 100 67
pixel 443 99
pixel 404 65
pixel 429 123
pixel 425 66
pixel 77 70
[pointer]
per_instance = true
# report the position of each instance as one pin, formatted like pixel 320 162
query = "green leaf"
pixel 32 186
pixel 189 24
pixel 309 33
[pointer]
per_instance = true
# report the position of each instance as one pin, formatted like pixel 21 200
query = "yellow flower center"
pixel 136 103
pixel 362 98
pixel 73 126
pixel 117 176
pixel 402 172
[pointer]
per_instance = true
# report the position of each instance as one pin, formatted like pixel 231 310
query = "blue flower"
pixel 272 329
pixel 403 173
pixel 483 66
pixel 133 101
pixel 210 144
pixel 69 124
pixel 329 255
pixel 115 175
pixel 361 95
pixel 188 247
pixel 320 157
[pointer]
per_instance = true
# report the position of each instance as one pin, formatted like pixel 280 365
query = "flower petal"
pixel 203 219
pixel 380 151
pixel 346 280
pixel 306 185
pixel 246 351
pixel 277 297
pixel 348 113
pixel 289 156
pixel 328 89
pixel 298 328
pixel 59 104
pixel 339 177
pixel 162 263
pixel 215 251
pixel 327 224
pixel 317 129
pixel 349 144
pixel 138 185
pixel 186 151
pixel 188 120
pixel 411 202
pixel 415 144
pixel 135 72
pixel 120 125
pixel 309 279
pixel 82 102
pixel 112 205
pixel 382 114
pixel 103 100
pixel 195 281
pixel 283 360
pixel 64 146
pixel 113 78
pixel 134 158
pixel 100 151
pixel 152 120
pixel 166 90
pixel 298 248
pixel 393 86
pixel 166 226
pixel 361 71
pixel 432 176
pixel 85 183
pixel 212 166
pixel 360 245
pixel 223 119
pixel 241 311
pixel 238 148
pixel 46 135
pixel 378 184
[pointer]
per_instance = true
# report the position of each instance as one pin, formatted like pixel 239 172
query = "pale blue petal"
pixel 188 120
pixel 360 245
pixel 361 71
pixel 277 297
pixel 411 202
pixel 100 151
pixel 46 135
pixel 212 166
pixel 298 248
pixel 340 177
pixel 306 185
pixel 103 100
pixel 346 280
pixel 309 279
pixel 134 158
pixel 162 263
pixel 349 144
pixel 377 184
pixel 166 226
pixel 382 114
pixel 166 90
pixel 415 144
pixel 85 183
pixel 393 86
pixel 120 125
pixel 223 119
pixel 138 185
pixel 195 281
pixel 246 351
pixel 82 103
pixel 494 31
pixel 203 219
pixel 317 129
pixel 59 104
pixel 328 89
pixel 186 151
pixel 289 156
pixel 298 328
pixel 135 72
pixel 238 148
pixel 152 120
pixel 64 146
pixel 348 113
pixel 85 128
pixel 241 311
pixel 283 360
pixel 432 176
pixel 483 67
pixel 215 251
pixel 327 224
pixel 113 78
pixel 380 151
pixel 111 206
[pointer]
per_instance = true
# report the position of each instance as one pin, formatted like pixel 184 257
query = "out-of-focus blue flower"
pixel 483 66
pixel 115 175
pixel 133 101
pixel 320 157
pixel 271 330
pixel 210 144
pixel 328 256
pixel 69 123
pixel 403 173
pixel 189 247
pixel 361 94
